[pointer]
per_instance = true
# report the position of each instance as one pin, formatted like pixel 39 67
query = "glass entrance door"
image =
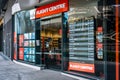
pixel 51 42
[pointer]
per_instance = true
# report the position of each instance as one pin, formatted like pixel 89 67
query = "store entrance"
pixel 51 42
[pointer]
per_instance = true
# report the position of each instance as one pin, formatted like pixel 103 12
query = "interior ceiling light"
pixel 96 9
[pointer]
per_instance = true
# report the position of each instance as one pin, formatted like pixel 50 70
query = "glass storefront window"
pixel 93 33
pixel 94 38
pixel 51 37
pixel 25 36
pixel 24 23
pixel 82 36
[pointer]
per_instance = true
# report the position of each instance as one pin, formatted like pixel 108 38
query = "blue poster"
pixel 32 50
pixel 25 51
pixel 33 58
pixel 26 57
pixel 32 35
pixel 26 36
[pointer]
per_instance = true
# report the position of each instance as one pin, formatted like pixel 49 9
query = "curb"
pixel 27 65
pixel 75 77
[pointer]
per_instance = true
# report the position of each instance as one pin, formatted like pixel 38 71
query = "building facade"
pixel 76 37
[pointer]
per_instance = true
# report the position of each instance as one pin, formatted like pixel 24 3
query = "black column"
pixel 12 39
pixel 65 53
pixel 1 38
pixel 38 55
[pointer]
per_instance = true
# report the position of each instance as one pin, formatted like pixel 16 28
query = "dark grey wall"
pixel 8 14
pixel 7 37
pixel 7 30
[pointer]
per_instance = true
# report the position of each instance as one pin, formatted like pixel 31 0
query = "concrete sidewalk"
pixel 11 71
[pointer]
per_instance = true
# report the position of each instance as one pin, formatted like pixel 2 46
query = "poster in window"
pixel 26 57
pixel 81 45
pixel 15 45
pixel 32 35
pixel 99 42
pixel 26 36
pixel 21 53
pixel 26 51
pixel 21 39
pixel 32 50
pixel 26 43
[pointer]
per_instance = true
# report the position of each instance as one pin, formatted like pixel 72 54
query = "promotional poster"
pixel 81 45
pixel 21 39
pixel 99 42
pixel 21 53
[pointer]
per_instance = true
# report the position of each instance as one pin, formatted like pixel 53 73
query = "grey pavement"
pixel 11 71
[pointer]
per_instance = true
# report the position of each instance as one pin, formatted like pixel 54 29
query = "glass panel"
pixel 51 35
pixel 111 37
pixel 94 38
pixel 24 22
pixel 25 35
pixel 86 38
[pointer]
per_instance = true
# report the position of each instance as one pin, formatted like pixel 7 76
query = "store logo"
pixel 81 67
pixel 54 8
pixel 60 6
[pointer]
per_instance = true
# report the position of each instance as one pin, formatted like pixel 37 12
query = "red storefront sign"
pixel 81 67
pixel 53 8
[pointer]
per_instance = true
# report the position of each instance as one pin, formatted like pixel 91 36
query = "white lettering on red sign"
pixel 82 67
pixel 60 6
